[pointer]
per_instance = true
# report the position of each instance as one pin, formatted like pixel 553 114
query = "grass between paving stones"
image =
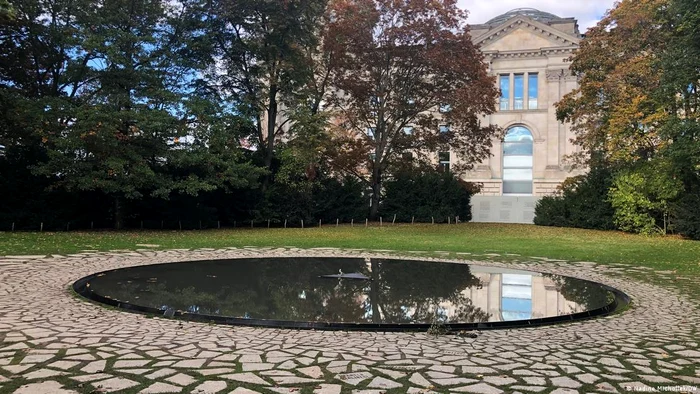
pixel 670 258
pixel 88 388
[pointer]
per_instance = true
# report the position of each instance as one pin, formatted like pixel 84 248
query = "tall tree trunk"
pixel 271 126
pixel 376 190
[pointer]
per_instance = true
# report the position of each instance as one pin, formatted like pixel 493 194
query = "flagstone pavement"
pixel 54 342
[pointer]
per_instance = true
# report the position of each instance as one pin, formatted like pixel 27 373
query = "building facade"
pixel 527 52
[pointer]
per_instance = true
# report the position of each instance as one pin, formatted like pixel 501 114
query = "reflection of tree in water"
pixel 405 291
pixel 291 289
pixel 277 289
pixel 587 294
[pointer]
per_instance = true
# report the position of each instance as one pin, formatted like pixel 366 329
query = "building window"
pixel 518 91
pixel 444 128
pixel 504 81
pixel 517 161
pixel 532 91
pixel 444 160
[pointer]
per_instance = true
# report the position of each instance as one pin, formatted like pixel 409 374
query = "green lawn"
pixel 660 253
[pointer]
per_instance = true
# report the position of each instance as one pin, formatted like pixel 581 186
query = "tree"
pixel 397 64
pixel 124 100
pixel 636 110
pixel 38 77
pixel 613 113
pixel 114 136
pixel 38 74
pixel 641 196
pixel 259 59
pixel 680 87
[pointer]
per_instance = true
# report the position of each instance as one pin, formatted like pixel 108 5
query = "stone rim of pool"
pixel 618 301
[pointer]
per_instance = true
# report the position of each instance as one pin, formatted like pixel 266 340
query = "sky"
pixel 588 12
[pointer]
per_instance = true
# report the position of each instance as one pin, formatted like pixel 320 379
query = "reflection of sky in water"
pixel 516 297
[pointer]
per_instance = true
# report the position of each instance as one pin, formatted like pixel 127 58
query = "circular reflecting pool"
pixel 350 293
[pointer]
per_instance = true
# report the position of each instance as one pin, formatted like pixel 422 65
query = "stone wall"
pixel 503 209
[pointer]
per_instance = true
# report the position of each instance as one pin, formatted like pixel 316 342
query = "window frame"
pixel 518 101
pixel 533 99
pixel 530 143
pixel 504 102
pixel 444 163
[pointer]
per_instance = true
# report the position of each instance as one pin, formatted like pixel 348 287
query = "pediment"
pixel 521 33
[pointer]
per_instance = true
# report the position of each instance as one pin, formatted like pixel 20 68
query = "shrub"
pixel 632 207
pixel 551 211
pixel 342 199
pixel 641 197
pixel 426 195
pixel 581 202
pixel 323 198
pixel 686 214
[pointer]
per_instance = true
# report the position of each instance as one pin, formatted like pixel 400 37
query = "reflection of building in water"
pixel 517 297
pixel 510 297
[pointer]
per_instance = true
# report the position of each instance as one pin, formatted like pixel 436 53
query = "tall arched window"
pixel 517 161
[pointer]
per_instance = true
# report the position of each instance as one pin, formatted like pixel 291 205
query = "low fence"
pixel 208 224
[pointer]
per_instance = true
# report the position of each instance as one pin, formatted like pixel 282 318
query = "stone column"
pixel 554 128
pixel 539 301
pixel 494 296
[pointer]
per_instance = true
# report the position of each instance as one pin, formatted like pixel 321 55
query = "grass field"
pixel 659 253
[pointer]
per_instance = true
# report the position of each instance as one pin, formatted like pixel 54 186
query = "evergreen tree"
pixel 258 58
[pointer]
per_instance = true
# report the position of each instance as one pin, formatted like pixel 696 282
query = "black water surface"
pixel 397 291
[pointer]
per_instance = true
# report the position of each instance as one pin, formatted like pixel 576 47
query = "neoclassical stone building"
pixel 527 51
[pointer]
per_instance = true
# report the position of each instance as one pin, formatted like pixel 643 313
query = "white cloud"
pixel 587 12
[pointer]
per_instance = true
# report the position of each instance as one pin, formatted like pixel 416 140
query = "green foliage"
pixel 686 214
pixel 581 203
pixel 641 198
pixel 426 195
pixel 343 199
pixel 633 209
pixel 326 199
pixel 684 158
pixel 551 211
pixel 636 113
pixel 261 48
pixel 304 188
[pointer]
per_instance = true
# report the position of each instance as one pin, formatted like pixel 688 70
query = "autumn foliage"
pixel 635 114
pixel 613 111
pixel 396 64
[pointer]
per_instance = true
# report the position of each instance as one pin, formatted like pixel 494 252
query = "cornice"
pixel 539 28
pixel 530 52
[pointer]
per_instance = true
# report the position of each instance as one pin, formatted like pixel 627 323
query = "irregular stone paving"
pixel 53 342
